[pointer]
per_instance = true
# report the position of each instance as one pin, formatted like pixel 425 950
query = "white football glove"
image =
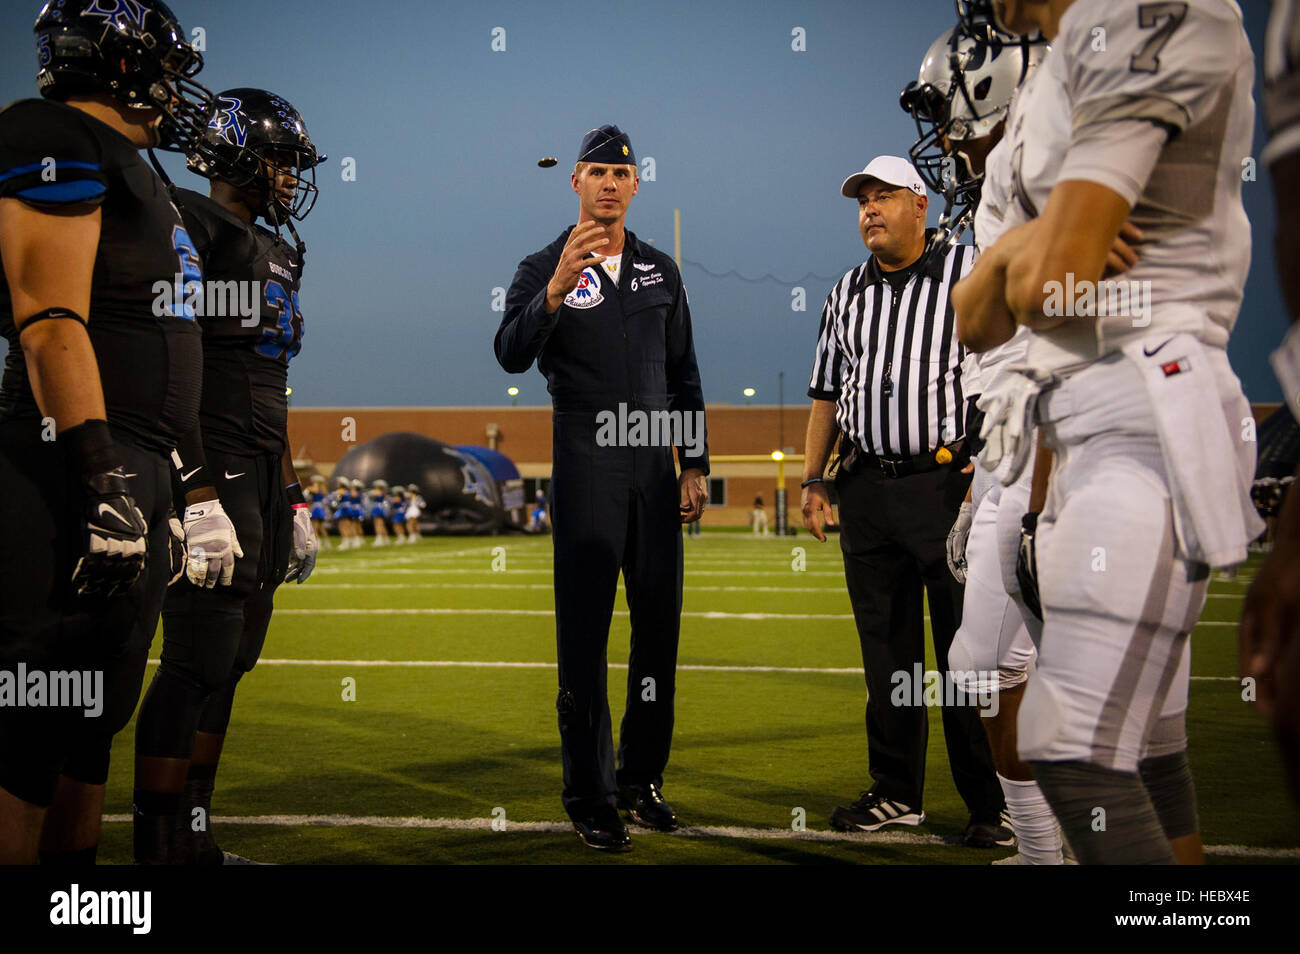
pixel 175 546
pixel 1009 406
pixel 957 542
pixel 211 544
pixel 303 559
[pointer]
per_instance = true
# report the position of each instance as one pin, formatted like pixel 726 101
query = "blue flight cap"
pixel 607 145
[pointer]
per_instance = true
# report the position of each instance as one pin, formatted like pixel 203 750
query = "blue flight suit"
pixel 612 507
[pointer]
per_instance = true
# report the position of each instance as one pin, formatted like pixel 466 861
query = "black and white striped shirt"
pixel 890 359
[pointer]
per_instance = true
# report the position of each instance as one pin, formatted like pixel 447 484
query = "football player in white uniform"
pixel 960 103
pixel 1141 112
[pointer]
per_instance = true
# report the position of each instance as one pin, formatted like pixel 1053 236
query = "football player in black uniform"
pixel 98 383
pixel 258 155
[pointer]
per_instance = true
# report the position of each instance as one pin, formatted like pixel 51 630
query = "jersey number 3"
pixel 285 339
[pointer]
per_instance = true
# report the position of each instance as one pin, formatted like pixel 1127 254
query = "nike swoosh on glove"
pixel 116 543
pixel 957 542
pixel 211 545
pixel 303 559
pixel 176 545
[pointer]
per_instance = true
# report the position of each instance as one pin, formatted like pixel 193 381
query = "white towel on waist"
pixel 1214 518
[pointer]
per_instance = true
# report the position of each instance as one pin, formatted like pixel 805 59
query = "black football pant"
pixel 46 629
pixel 613 508
pixel 893 534
pixel 212 637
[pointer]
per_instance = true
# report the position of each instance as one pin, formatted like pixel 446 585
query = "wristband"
pixel 812 480
pixel 90 448
pixel 294 492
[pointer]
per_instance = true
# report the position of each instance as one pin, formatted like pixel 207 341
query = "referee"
pixel 887 377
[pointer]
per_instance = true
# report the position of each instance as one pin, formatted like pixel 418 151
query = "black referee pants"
pixel 893 533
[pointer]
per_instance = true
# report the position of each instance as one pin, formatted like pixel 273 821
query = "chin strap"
pixel 952 225
pixel 162 174
pixel 299 244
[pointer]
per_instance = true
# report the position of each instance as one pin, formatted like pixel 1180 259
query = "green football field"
pixel 403 713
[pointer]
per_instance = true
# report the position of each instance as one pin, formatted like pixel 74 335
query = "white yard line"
pixel 704 831
pixel 505 664
pixel 509 611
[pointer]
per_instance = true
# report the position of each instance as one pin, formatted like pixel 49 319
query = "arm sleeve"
pixel 828 363
pixel 49 160
pixel 526 326
pixel 684 391
pixel 190 463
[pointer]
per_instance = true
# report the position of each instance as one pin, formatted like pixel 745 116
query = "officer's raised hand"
pixel 585 238
pixel 695 494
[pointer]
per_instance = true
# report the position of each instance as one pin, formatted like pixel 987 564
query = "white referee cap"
pixel 891 170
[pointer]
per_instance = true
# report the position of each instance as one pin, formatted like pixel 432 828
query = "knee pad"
pixel 169 715
pixel 1106 815
pixel 216 710
pixel 1168 781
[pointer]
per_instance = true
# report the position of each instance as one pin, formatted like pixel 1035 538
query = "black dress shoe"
pixel 603 831
pixel 645 805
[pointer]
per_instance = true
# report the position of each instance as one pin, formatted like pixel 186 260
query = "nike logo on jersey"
pixel 185 477
pixel 1150 351
pixel 230 476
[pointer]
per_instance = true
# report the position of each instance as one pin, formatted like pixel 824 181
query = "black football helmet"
pixel 248 131
pixel 134 50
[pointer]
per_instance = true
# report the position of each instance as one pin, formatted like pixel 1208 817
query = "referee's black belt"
pixel 855 460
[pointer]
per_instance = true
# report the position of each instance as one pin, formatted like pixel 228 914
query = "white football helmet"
pixel 962 92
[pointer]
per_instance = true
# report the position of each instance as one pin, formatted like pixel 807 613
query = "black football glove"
pixel 1027 565
pixel 116 539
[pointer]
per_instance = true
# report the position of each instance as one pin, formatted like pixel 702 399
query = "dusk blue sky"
pixel 750 140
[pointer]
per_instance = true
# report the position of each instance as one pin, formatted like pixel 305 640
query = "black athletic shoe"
pixel 994 834
pixel 871 812
pixel 603 831
pixel 645 805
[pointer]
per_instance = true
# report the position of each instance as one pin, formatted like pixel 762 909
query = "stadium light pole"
pixel 514 395
pixel 779 457
pixel 749 395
